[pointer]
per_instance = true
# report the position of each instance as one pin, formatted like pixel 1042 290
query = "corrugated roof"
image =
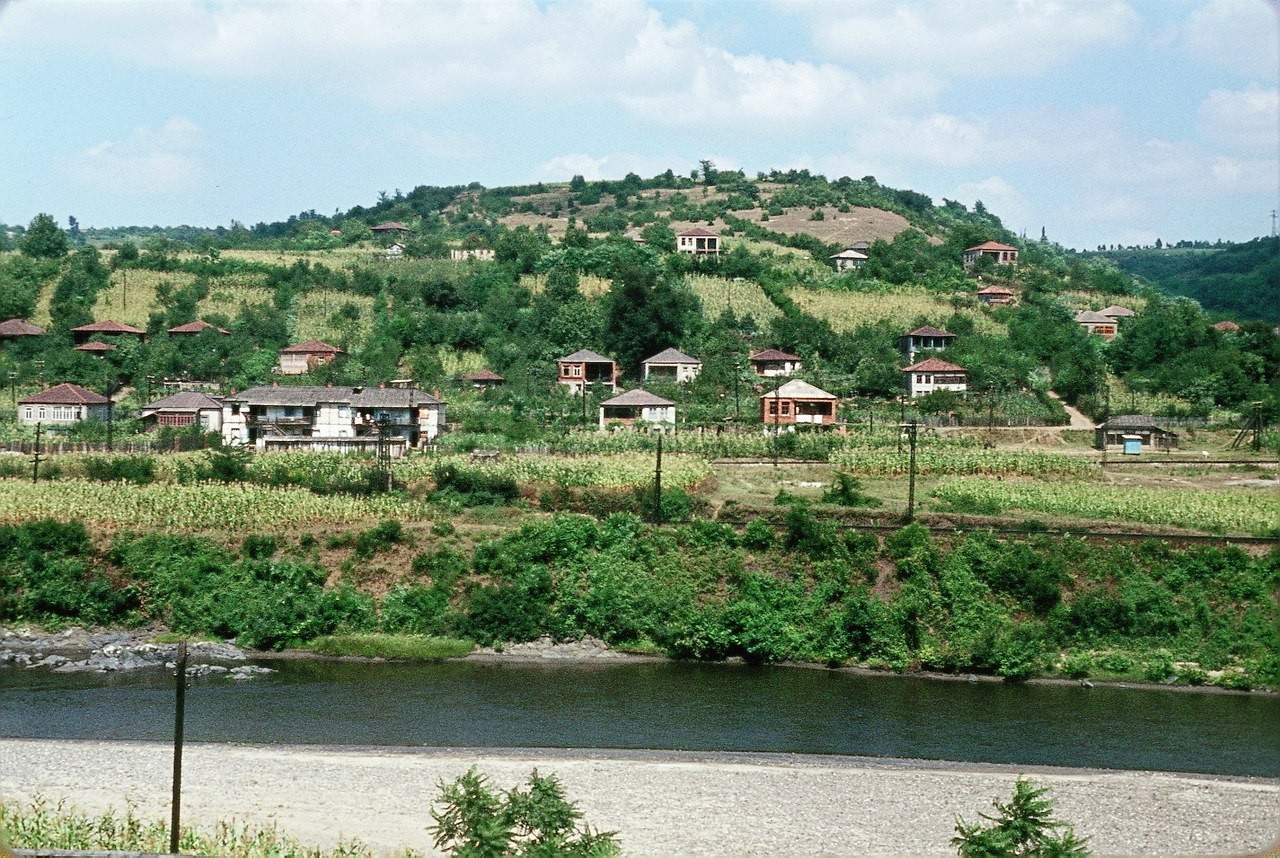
pixel 185 401
pixel 772 354
pixel 637 398
pixel 928 331
pixel 367 397
pixel 797 389
pixel 672 356
pixel 19 328
pixel 65 394
pixel 108 326
pixel 1089 317
pixel 390 226
pixel 311 347
pixel 585 356
pixel 933 364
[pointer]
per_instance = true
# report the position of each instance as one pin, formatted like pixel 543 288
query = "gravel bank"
pixel 661 803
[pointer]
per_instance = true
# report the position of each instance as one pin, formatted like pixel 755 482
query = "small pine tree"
pixel 1025 826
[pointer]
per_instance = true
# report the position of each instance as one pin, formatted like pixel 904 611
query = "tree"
pixel 1025 826
pixel 44 240
pixel 473 819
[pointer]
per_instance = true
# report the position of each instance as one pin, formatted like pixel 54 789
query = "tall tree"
pixel 44 240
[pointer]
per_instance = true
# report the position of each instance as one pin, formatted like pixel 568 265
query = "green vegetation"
pixel 1024 826
pixel 45 825
pixel 476 821
pixel 396 647
pixel 804 590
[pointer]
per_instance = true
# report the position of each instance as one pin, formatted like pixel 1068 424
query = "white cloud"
pixel 147 161
pixel 611 166
pixel 575 164
pixel 999 196
pixel 980 38
pixel 1247 120
pixel 1236 34
pixel 936 140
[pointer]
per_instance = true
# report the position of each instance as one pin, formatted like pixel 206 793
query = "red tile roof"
pixel 65 394
pixel 699 231
pixel 928 331
pixel 994 290
pixel 991 245
pixel 1227 326
pixel 96 346
pixel 196 327
pixel 933 365
pixel 390 226
pixel 311 347
pixel 481 375
pixel 19 328
pixel 772 354
pixel 108 326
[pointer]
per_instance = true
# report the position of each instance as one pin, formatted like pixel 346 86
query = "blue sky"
pixel 1104 121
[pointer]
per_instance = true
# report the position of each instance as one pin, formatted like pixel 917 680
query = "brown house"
pixel 95 347
pixel 798 402
pixel 482 379
pixel 184 409
pixel 993 295
pixel 1141 427
pixel 64 404
pixel 109 327
pixel 1096 323
pixel 196 327
pixel 585 367
pixel 303 357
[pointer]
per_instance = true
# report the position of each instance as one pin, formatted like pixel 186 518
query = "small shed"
pixel 482 379
pixel 637 406
pixel 96 348
pixel 1119 430
pixel 1132 444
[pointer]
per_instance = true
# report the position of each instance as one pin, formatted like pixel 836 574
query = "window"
pixel 30 412
pixel 786 408
pixel 773 406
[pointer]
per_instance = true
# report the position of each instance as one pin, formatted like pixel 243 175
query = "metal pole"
pixel 179 715
pixel 657 485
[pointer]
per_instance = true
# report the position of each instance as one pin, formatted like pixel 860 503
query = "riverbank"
pixel 661 803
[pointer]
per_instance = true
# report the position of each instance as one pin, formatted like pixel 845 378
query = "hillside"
pixel 1237 280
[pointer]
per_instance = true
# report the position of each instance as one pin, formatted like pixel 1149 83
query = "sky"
pixel 1100 121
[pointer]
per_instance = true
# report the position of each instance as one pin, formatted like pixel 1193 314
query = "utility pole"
pixel 657 485
pixel 911 484
pixel 179 717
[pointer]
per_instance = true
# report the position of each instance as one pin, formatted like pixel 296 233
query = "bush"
pixel 139 470
pixel 378 539
pixel 1024 826
pixel 847 491
pixel 759 535
pixel 471 488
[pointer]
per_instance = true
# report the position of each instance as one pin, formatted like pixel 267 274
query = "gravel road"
pixel 661 803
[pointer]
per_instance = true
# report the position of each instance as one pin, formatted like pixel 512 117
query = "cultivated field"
pixel 903 306
pixel 744 297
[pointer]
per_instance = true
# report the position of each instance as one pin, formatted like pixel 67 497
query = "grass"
pixel 396 647
pixel 845 311
pixel 180 637
pixel 589 285
pixel 45 824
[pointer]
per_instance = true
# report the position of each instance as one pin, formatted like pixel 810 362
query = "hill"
pixel 1240 280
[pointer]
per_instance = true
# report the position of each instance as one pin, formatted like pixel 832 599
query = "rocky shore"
pixel 660 802
pixel 76 650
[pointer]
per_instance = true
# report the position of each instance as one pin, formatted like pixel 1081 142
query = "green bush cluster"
pixel 803 589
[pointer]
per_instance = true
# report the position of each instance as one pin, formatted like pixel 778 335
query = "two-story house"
pixel 772 363
pixel 926 338
pixel 672 365
pixel 933 374
pixel 330 418
pixel 585 367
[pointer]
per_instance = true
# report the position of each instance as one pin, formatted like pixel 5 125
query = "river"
pixel 674 706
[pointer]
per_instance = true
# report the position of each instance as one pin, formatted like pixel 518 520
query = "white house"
pixel 934 374
pixel 698 241
pixel 771 363
pixel 672 365
pixel 847 260
pixel 1000 254
pixel 331 418
pixel 637 406
pixel 63 404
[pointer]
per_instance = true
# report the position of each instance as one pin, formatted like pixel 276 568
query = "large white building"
pixel 330 418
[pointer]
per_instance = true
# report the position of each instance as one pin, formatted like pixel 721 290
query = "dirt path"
pixel 660 803
pixel 1078 420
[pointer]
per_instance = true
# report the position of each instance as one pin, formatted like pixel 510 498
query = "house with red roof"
pixel 698 241
pixel 197 327
pixel 995 295
pixel 1000 254
pixel 304 357
pixel 96 347
pixel 930 374
pixel 12 329
pixel 482 379
pixel 926 338
pixel 109 327
pixel 1096 323
pixel 63 404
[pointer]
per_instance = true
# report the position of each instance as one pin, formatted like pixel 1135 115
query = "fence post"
pixel 179 714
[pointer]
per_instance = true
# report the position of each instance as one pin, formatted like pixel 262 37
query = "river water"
pixel 663 706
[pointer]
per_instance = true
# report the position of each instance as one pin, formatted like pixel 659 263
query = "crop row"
pixel 618 471
pixel 1237 511
pixel 964 461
